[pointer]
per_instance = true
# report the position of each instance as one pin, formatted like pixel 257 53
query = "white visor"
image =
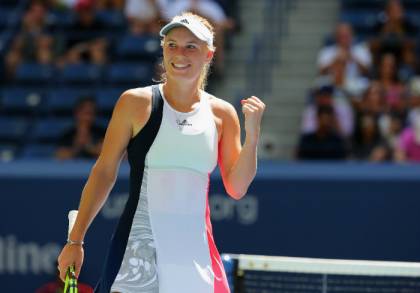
pixel 191 23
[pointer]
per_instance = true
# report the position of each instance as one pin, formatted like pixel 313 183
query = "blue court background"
pixel 354 211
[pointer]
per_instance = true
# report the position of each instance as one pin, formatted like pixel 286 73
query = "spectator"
pixel 84 139
pixel 414 99
pixel 391 126
pixel 408 147
pixel 394 34
pixel 85 43
pixel 324 96
pixel 110 4
pixel 394 90
pixel 143 16
pixel 345 87
pixel 373 101
pixel 232 11
pixel 357 57
pixel 86 20
pixel 210 8
pixel 33 43
pixel 68 3
pixel 324 143
pixel 44 53
pixel 367 143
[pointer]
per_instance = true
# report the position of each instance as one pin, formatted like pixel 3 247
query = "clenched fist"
pixel 253 109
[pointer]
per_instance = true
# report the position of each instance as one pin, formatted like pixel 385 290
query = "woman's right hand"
pixel 71 254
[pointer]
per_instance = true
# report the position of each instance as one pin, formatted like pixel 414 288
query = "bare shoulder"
pixel 134 106
pixel 136 97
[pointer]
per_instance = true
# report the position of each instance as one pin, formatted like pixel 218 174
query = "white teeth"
pixel 181 66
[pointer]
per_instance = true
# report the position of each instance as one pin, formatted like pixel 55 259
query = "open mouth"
pixel 180 66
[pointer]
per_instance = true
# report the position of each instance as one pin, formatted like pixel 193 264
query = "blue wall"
pixel 311 210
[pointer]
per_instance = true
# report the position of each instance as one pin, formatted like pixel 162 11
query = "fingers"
pixel 254 101
pixel 63 271
pixel 250 106
pixel 247 109
pixel 77 267
pixel 70 255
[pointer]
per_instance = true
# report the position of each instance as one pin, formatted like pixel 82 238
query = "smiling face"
pixel 184 55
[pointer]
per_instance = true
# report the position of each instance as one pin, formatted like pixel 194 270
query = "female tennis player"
pixel 174 134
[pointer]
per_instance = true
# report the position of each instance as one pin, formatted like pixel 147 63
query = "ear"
pixel 210 55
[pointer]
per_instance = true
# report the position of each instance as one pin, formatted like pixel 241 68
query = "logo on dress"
pixel 183 122
pixel 184 21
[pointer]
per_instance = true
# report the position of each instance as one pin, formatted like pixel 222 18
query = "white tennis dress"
pixel 170 246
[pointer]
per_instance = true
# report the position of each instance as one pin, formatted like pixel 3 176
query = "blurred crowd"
pixel 365 104
pixel 63 34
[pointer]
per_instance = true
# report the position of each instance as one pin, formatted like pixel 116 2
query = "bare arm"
pixel 238 164
pixel 103 174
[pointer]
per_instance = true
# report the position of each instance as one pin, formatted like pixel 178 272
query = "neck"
pixel 181 95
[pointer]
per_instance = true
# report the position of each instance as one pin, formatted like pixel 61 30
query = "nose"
pixel 180 51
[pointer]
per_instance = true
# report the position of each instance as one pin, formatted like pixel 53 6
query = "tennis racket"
pixel 70 284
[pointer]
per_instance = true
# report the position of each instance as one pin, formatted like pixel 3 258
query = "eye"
pixel 171 45
pixel 191 47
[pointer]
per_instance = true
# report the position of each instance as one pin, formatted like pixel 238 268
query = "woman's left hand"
pixel 253 109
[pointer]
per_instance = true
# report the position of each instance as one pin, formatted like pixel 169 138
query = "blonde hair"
pixel 202 83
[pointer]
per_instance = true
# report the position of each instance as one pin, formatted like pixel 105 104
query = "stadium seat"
pixel 42 151
pixel 21 100
pixel 377 5
pixel 49 130
pixel 35 73
pixel 138 47
pixel 8 18
pixel 5 39
pixel 9 3
pixel 12 129
pixel 411 5
pixel 81 73
pixel 362 21
pixel 362 4
pixel 414 17
pixel 75 36
pixel 130 73
pixel 112 19
pixel 107 97
pixel 61 19
pixel 7 152
pixel 64 99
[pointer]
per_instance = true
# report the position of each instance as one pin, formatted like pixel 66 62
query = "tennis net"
pixel 269 274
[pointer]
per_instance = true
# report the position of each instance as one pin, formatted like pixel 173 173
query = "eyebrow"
pixel 190 41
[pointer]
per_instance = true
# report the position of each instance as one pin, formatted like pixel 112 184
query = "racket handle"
pixel 70 284
pixel 71 281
